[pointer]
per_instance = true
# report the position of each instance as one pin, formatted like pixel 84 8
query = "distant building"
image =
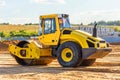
pixel 101 31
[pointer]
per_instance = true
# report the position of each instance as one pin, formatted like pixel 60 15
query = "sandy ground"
pixel 107 68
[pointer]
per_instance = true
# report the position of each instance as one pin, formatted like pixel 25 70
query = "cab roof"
pixel 54 15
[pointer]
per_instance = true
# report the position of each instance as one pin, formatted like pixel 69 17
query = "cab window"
pixel 50 26
pixel 64 23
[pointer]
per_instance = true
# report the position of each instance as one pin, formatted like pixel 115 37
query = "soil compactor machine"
pixel 57 40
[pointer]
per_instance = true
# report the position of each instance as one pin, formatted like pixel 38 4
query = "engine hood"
pixel 87 35
pixel 83 34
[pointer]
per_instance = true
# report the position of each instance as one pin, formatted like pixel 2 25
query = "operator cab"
pixel 50 23
pixel 51 26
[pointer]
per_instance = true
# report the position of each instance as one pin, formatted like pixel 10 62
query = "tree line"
pixel 115 23
pixel 109 23
pixel 20 24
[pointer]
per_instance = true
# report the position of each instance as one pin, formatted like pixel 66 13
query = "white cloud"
pixel 61 1
pixel 49 1
pixel 42 1
pixel 91 16
pixel 2 3
pixel 23 20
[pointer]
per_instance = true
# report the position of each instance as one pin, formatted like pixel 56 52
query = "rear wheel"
pixel 69 54
pixel 87 62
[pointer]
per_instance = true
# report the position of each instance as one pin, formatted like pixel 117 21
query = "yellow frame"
pixel 32 52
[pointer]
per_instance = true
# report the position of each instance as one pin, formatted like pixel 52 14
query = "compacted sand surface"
pixel 107 68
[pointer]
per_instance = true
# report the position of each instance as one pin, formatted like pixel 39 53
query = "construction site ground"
pixel 107 68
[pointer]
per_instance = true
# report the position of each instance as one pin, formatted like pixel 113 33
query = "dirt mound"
pixel 115 48
pixel 4 44
pixel 115 43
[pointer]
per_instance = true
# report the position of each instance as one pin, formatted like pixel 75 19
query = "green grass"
pixel 28 29
pixel 9 28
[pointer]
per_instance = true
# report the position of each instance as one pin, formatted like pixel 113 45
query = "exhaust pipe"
pixel 95 30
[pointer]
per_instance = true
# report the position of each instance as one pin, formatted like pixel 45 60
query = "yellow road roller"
pixel 56 40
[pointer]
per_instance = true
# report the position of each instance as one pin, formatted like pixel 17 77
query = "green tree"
pixel 12 33
pixel 116 23
pixel 33 34
pixel 2 34
pixel 101 23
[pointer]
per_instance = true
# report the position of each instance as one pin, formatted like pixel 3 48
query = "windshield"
pixel 64 23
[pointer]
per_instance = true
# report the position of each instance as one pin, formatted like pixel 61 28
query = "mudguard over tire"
pixel 69 54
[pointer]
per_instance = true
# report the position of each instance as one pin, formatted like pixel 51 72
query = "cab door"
pixel 51 33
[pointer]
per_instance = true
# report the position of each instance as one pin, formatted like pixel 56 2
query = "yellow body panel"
pixel 32 52
pixel 75 37
pixel 66 38
pixel 48 16
pixel 103 45
pixel 81 38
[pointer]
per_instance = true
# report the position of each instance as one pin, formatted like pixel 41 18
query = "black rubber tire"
pixel 87 62
pixel 21 61
pixel 77 54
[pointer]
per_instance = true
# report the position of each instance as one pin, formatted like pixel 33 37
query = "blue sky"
pixel 86 11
